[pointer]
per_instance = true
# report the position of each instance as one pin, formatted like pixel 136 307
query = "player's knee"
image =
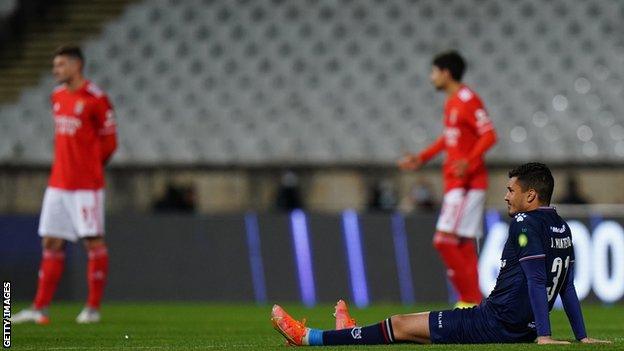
pixel 442 240
pixel 400 326
pixel 94 243
pixel 53 244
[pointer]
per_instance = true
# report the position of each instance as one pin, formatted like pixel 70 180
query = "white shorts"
pixel 462 213
pixel 72 214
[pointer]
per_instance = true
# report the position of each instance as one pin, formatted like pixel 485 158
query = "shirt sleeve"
pixel 527 237
pixel 436 147
pixel 535 272
pixel 105 117
pixel 476 116
pixel 572 306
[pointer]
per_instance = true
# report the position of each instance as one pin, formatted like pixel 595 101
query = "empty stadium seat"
pixel 217 81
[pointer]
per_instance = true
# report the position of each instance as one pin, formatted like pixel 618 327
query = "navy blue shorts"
pixel 473 326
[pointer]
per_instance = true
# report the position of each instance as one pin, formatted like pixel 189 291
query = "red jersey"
pixel 468 133
pixel 85 137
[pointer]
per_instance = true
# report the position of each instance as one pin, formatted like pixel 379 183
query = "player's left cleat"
pixel 31 315
pixel 88 315
pixel 464 304
pixel 343 319
pixel 294 331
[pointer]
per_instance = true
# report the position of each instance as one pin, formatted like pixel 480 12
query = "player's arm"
pixel 572 306
pixel 531 255
pixel 479 120
pixel 105 119
pixel 415 161
pixel 534 269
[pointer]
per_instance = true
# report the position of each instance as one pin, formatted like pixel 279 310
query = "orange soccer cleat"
pixel 343 319
pixel 294 331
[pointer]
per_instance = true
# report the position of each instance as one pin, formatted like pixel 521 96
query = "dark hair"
pixel 453 62
pixel 71 51
pixel 535 176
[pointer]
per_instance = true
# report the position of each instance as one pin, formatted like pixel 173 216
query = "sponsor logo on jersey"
pixel 520 217
pixel 451 135
pixel 440 326
pixel 66 125
pixel 523 240
pixel 503 264
pixel 558 230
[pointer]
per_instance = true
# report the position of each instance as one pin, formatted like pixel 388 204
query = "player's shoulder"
pixel 59 89
pixel 465 94
pixel 95 91
pixel 529 218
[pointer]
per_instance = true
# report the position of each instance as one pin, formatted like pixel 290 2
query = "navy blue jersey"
pixel 541 233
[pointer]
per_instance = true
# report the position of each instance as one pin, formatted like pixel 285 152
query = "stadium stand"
pixel 320 81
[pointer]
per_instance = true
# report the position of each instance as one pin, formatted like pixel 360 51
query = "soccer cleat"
pixel 343 319
pixel 31 315
pixel 88 315
pixel 464 304
pixel 294 331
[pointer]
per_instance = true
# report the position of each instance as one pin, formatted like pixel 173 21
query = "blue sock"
pixel 380 333
pixel 315 337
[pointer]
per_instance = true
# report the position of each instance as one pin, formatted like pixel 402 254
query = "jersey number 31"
pixel 557 267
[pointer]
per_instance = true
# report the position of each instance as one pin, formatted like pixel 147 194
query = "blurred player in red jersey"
pixel 73 204
pixel 468 134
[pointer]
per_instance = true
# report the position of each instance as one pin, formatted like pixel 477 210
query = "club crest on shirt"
pixel 453 116
pixel 78 107
pixel 56 107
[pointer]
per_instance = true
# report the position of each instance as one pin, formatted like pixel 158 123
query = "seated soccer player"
pixel 537 264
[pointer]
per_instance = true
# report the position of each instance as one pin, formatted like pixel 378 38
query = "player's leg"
pixel 50 271
pixel 469 229
pixel 447 243
pixel 54 219
pixel 399 328
pixel 89 220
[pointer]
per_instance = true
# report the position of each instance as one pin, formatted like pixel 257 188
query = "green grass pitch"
pixel 196 326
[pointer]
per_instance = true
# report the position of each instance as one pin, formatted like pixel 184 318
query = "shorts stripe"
pixel 532 257
pixel 460 212
pixel 384 332
pixel 390 331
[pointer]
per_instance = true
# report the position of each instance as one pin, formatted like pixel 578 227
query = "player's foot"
pixel 343 319
pixel 464 304
pixel 88 315
pixel 294 331
pixel 31 315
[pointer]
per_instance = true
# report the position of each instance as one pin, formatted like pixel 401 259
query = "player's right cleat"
pixel 343 319
pixel 294 331
pixel 31 315
pixel 88 315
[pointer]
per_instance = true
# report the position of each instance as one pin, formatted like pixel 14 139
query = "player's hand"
pixel 410 162
pixel 594 341
pixel 547 340
pixel 460 168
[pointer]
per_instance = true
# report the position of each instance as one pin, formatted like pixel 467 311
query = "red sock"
pixel 97 271
pixel 448 248
pixel 468 249
pixel 50 272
